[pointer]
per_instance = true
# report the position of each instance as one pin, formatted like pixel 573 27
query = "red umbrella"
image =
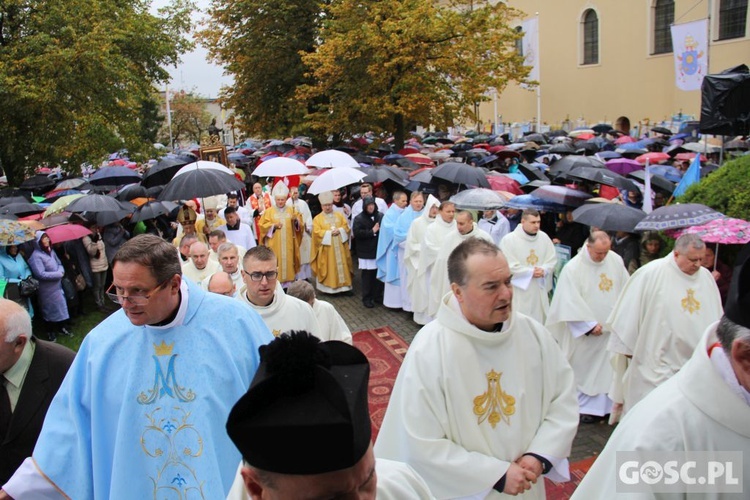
pixel 66 232
pixel 502 183
pixel 688 157
pixel 624 139
pixel 652 158
pixel 408 151
pixel 495 149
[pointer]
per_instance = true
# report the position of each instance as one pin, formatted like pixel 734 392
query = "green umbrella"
pixel 61 204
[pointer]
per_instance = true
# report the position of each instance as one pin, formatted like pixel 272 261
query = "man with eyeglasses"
pixel 263 293
pixel 141 412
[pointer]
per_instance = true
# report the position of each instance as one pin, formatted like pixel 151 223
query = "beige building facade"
pixel 600 59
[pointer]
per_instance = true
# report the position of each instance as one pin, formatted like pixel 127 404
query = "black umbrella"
pixel 13 199
pixel 601 128
pixel 382 173
pixel 21 209
pixel 538 138
pixel 8 217
pixel 661 130
pixel 461 173
pixel 13 193
pixel 114 176
pixel 657 181
pixel 132 192
pixel 152 210
pixel 99 203
pixel 200 183
pixel 532 173
pixel 567 163
pixel 601 176
pixel 562 149
pixel 40 183
pixel 153 192
pixel 609 216
pixel 163 171
pixel 557 133
pixel 406 164
pixel 678 216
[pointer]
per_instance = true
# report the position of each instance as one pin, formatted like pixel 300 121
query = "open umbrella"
pixel 461 173
pixel 562 195
pixel 657 181
pixel 623 166
pixel 280 167
pixel 131 192
pixel 152 210
pixel 333 158
pixel 71 184
pixel 382 173
pixel 335 178
pixel 61 204
pixel 14 233
pixel 198 180
pixel 421 159
pixel 566 163
pixel 20 209
pixel 114 176
pixel 479 199
pixel 503 183
pixel 652 158
pixel 66 232
pixel 602 176
pixel 164 170
pixel 609 216
pixel 99 203
pixel 37 183
pixel 677 216
pixel 524 201
pixel 724 230
pixel 9 193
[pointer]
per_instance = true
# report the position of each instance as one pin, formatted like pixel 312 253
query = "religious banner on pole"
pixel 690 43
pixel 530 44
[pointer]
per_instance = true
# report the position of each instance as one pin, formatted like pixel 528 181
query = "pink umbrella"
pixel 688 157
pixel 652 158
pixel 623 166
pixel 624 139
pixel 725 230
pixel 502 183
pixel 66 232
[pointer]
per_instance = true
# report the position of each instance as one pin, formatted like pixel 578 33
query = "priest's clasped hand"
pixel 518 478
pixel 538 272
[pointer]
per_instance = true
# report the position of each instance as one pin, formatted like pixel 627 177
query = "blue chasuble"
pixel 387 253
pixel 141 413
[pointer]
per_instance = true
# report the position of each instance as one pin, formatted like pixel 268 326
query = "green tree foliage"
pixel 726 190
pixel 189 119
pixel 259 42
pixel 74 75
pixel 385 63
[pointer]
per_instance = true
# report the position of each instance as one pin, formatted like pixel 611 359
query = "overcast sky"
pixel 195 73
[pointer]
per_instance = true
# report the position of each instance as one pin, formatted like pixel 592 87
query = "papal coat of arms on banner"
pixel 690 42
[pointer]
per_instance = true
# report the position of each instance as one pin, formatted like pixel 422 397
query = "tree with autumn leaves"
pixel 349 67
pixel 77 77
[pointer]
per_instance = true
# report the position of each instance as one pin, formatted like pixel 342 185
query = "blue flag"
pixel 692 176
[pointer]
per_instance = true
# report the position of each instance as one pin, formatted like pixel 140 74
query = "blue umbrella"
pixel 519 177
pixel 667 171
pixel 608 155
pixel 524 201
pixel 393 157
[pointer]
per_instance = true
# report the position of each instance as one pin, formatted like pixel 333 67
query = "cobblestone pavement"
pixel 590 439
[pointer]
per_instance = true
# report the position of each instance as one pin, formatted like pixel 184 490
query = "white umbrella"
pixel 479 199
pixel 335 178
pixel 332 158
pixel 203 165
pixel 700 147
pixel 280 167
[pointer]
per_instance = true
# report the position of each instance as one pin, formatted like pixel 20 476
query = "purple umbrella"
pixel 623 166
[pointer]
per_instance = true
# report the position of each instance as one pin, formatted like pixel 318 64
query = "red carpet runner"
pixel 385 350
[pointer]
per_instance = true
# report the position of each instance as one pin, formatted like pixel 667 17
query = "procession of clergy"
pixel 491 392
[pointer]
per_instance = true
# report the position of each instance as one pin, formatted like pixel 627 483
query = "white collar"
pixel 724 367
pixel 179 319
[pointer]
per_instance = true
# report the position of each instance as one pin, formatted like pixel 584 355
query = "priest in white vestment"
pixel 532 259
pixel 263 293
pixel 332 325
pixel 400 232
pixel 434 236
pixel 413 246
pixel 440 284
pixel 238 233
pixel 704 407
pixel 387 252
pixel 585 295
pixel 484 403
pixel 199 268
pixel 311 396
pixel 305 247
pixel 229 260
pixel 660 316
pixel 495 224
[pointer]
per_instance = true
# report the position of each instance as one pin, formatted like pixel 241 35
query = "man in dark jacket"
pixel 32 371
pixel 366 229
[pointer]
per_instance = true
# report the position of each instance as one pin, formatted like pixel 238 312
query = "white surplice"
pixel 467 402
pixel 585 295
pixel 285 313
pixel 332 325
pixel 413 247
pixel 434 237
pixel 305 246
pixel 658 320
pixel 701 408
pixel 525 252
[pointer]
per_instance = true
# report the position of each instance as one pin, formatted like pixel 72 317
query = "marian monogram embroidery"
pixel 165 385
pixel 532 259
pixel 605 284
pixel 495 404
pixel 690 303
pixel 276 333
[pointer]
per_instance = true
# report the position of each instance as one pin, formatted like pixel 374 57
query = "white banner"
pixel 530 45
pixel 690 46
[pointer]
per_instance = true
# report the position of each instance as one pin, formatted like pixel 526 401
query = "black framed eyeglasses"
pixel 256 276
pixel 137 300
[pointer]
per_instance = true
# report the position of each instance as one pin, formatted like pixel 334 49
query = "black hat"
pixel 737 308
pixel 306 410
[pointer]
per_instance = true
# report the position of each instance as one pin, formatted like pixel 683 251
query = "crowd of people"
pixel 228 294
